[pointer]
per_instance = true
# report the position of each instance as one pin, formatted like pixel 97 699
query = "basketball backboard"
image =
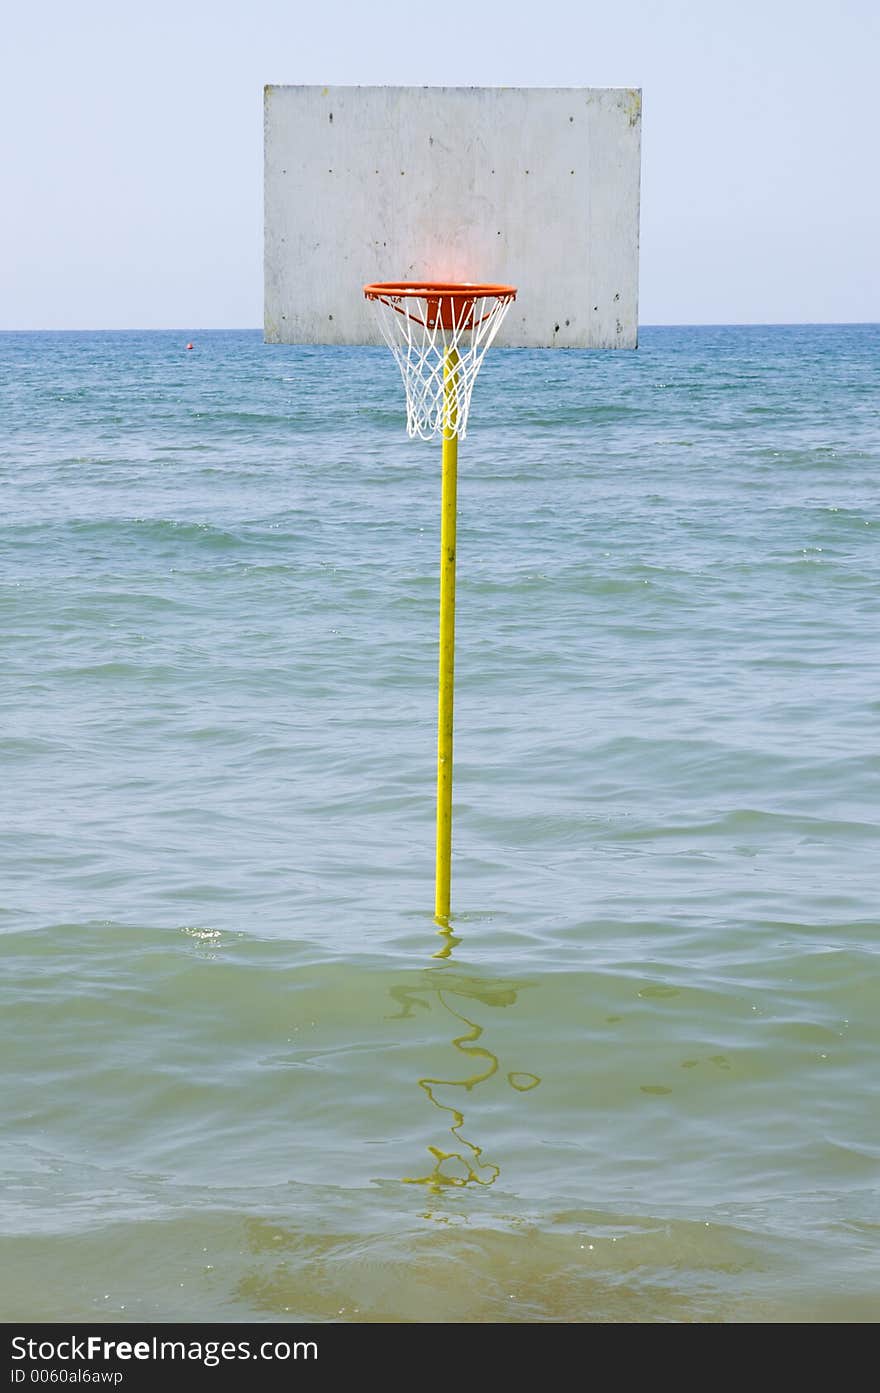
pixel 534 187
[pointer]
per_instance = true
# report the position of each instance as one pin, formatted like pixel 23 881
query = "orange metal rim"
pixel 451 290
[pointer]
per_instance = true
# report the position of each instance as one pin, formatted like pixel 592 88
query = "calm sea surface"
pixel 238 1081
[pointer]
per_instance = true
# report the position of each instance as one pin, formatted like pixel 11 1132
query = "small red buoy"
pixel 189 345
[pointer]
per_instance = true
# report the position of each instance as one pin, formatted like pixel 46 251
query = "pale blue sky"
pixel 132 143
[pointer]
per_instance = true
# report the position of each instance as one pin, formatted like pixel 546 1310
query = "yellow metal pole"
pixel 447 639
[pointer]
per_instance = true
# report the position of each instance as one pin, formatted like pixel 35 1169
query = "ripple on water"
pixel 638 1081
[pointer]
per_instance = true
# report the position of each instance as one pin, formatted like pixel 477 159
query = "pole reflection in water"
pixel 459 996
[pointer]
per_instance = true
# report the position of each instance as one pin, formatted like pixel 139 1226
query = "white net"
pixel 439 341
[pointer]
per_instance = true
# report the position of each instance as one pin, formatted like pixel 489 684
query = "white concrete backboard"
pixel 533 187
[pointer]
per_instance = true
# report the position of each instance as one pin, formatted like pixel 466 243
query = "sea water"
pixel 243 1076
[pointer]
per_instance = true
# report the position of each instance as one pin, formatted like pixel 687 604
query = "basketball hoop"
pixel 439 335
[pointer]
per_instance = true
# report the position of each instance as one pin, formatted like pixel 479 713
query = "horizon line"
pixel 257 328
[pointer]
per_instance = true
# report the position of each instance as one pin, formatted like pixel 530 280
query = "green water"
pixel 641 1083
